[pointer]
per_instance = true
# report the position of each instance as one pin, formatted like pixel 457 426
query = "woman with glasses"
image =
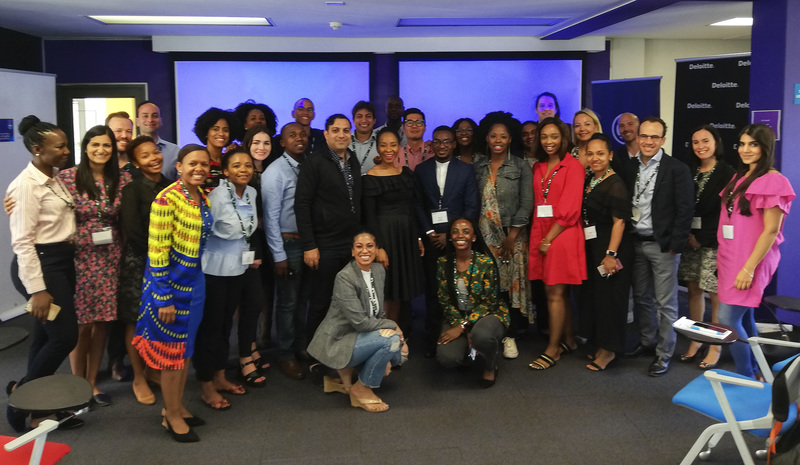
pixel 466 131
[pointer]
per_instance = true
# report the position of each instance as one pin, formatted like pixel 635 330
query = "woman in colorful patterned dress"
pixel 96 185
pixel 174 288
pixel 474 314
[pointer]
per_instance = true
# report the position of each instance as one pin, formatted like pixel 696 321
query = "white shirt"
pixel 441 175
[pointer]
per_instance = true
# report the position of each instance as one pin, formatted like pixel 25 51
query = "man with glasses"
pixel 662 200
pixel 303 114
pixel 415 151
pixel 449 192
pixel 363 142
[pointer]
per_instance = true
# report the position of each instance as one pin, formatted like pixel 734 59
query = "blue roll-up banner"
pixel 610 99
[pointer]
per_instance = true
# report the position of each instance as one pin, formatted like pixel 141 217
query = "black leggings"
pixel 223 295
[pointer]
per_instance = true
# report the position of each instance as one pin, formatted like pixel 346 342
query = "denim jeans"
pixel 290 303
pixel 741 319
pixel 371 353
pixel 655 291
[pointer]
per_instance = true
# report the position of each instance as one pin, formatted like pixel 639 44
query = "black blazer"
pixel 460 197
pixel 673 202
pixel 708 205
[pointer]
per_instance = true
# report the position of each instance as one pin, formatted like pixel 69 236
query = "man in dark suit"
pixel 449 192
pixel 662 198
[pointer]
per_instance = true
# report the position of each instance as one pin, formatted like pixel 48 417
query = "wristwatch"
pixel 464 324
pixel 612 253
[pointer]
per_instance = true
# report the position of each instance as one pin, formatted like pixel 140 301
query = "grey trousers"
pixel 486 336
pixel 655 292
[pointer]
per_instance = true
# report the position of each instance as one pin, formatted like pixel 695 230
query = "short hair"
pixel 189 148
pixel 84 181
pixel 363 105
pixel 135 143
pixel 244 109
pixel 525 123
pixel 444 128
pixel 226 157
pixel 143 103
pixel 119 114
pixel 566 144
pixel 209 117
pixel 34 131
pixel 329 122
pixel 301 99
pixel 591 114
pixel 283 128
pixel 602 137
pixel 555 100
pixel 654 119
pixel 412 111
pixel 718 149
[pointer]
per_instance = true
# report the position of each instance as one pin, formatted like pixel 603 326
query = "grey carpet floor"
pixel 565 415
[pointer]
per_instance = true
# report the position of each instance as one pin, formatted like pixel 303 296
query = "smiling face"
pixel 255 117
pixel 261 146
pixel 651 138
pixel 749 150
pixel 498 139
pixel 550 139
pixel 338 135
pixel 704 145
pixel 529 136
pixel 54 151
pixel 414 126
pixel 584 127
pixel 240 169
pixel 364 121
pixel 219 134
pixel 545 107
pixel 464 134
pixel 304 112
pixel 364 250
pixel 148 120
pixel 99 150
pixel 388 146
pixel 462 235
pixel 443 145
pixel 123 132
pixel 599 156
pixel 294 139
pixel 148 159
pixel 628 127
pixel 194 168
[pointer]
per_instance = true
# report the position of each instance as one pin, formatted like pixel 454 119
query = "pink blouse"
pixel 769 190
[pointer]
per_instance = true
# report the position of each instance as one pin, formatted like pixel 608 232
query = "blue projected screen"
pixel 446 90
pixel 200 85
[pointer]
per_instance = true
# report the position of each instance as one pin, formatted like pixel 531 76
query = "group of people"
pixel 499 223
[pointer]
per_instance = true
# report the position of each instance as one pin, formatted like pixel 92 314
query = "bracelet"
pixel 546 244
pixel 611 253
pixel 749 273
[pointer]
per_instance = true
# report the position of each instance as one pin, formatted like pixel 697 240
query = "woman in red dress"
pixel 557 253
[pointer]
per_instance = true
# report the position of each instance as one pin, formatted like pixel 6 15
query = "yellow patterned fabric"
pixel 482 285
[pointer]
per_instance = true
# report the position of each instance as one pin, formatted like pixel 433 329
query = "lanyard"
pixel 294 169
pixel 246 233
pixel 424 152
pixel 547 191
pixel 366 154
pixel 462 298
pixel 101 202
pixel 61 188
pixel 639 190
pixel 700 180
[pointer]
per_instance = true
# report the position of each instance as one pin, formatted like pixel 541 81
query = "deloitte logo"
pixel 615 130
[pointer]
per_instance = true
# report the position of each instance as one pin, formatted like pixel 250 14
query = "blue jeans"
pixel 371 354
pixel 741 319
pixel 290 303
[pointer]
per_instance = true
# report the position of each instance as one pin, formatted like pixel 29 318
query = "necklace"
pixel 463 296
pixel 595 181
pixel 246 233
pixel 64 199
pixel 701 179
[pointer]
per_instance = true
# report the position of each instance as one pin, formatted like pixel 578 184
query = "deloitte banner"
pixel 610 99
pixel 715 91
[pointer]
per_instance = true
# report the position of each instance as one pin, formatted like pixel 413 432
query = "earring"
pixel 179 173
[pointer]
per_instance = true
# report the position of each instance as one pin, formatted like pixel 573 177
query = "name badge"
pixel 102 237
pixel 439 216
pixel 590 232
pixel 248 257
pixel 636 214
pixel 697 222
pixel 544 211
pixel 727 231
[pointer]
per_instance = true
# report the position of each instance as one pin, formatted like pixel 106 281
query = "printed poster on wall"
pixel 610 99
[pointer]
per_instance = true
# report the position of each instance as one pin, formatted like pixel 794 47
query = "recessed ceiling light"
pixel 434 22
pixel 735 22
pixel 334 3
pixel 194 20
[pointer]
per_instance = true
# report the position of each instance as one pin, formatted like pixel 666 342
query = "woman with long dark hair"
pixel 466 148
pixel 754 204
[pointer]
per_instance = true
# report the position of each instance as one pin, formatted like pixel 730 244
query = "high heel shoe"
pixel 487 383
pixel 370 405
pixel 685 358
pixel 189 436
pixel 333 385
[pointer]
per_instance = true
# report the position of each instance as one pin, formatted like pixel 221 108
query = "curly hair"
pixel 209 117
pixel 244 109
pixel 512 125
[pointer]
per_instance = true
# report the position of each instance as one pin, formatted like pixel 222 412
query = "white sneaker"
pixel 510 348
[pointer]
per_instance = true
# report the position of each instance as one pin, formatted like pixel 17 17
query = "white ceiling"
pixel 364 19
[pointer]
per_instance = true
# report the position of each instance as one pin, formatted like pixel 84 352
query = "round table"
pixel 697 337
pixel 11 336
pixel 52 393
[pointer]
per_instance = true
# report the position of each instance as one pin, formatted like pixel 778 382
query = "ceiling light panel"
pixel 178 20
pixel 735 22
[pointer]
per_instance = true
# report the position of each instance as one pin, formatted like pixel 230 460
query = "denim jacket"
pixel 514 188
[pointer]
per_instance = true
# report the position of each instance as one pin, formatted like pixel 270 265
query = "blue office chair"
pixel 738 403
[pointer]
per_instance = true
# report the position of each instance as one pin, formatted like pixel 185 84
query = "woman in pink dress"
pixel 750 230
pixel 557 251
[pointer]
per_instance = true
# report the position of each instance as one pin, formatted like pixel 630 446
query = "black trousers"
pixel 433 312
pixel 52 341
pixel 250 310
pixel 331 262
pixel 223 295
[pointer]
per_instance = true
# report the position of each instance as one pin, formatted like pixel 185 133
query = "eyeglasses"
pixel 440 142
pixel 464 131
pixel 304 109
pixel 651 137
pixel 414 123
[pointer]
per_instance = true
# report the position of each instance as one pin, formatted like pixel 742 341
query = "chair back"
pixel 786 390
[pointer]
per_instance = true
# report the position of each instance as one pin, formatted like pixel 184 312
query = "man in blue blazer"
pixel 449 192
pixel 662 203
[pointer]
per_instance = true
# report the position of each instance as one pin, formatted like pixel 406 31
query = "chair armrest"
pixel 755 344
pixel 714 376
pixel 773 342
pixel 44 427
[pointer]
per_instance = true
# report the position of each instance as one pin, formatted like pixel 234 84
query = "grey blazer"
pixel 348 315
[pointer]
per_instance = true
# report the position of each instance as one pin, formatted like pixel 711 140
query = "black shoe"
pixel 659 367
pixel 641 350
pixel 189 436
pixel 67 420
pixel 316 372
pixel 191 422
pixel 101 400
pixel 487 383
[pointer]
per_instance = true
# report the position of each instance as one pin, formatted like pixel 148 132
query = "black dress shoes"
pixel 641 350
pixel 659 367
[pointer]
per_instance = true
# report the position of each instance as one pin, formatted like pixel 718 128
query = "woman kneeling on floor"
pixel 355 334
pixel 474 316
